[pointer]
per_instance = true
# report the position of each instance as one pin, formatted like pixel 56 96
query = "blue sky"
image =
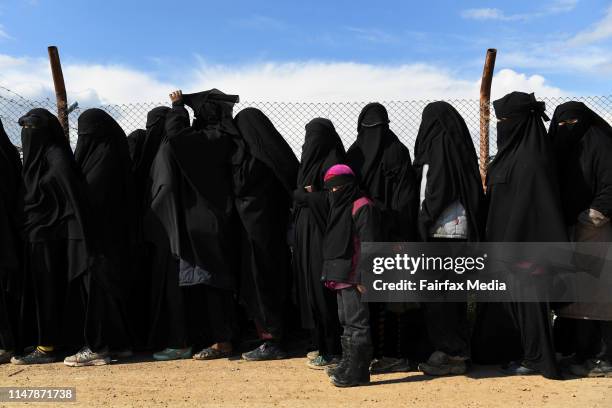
pixel 554 46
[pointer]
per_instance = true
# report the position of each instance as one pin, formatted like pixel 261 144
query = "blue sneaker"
pixel 170 354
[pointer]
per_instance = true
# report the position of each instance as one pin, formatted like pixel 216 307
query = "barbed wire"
pixel 290 118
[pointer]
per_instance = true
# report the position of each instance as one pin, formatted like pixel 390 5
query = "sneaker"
pixel 86 357
pixel 5 356
pixel 389 365
pixel 321 362
pixel 169 354
pixel 592 368
pixel 117 354
pixel 36 356
pixel 267 351
pixel 440 363
pixel 515 368
pixel 312 355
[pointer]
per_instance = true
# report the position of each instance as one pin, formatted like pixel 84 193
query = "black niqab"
pixel 266 144
pixel 445 145
pixel 383 165
pixel 10 185
pixel 522 181
pixel 524 206
pixel 103 157
pixel 55 202
pixel 585 168
pixel 321 150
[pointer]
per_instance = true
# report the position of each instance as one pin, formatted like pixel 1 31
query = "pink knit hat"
pixel 338 170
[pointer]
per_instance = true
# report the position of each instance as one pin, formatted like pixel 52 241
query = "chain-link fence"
pixel 291 117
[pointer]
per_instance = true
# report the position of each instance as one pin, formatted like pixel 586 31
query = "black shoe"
pixel 357 371
pixel 440 363
pixel 344 340
pixel 515 368
pixel 592 368
pixel 267 351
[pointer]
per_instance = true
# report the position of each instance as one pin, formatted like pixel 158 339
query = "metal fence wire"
pixel 290 118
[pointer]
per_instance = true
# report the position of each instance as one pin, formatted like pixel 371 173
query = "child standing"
pixel 353 219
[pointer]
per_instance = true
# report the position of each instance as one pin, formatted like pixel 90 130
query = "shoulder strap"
pixel 360 202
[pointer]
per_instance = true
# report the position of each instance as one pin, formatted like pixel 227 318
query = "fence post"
pixel 485 101
pixel 60 89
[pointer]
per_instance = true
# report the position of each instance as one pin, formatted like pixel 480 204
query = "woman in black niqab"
pixel 103 157
pixel 146 145
pixel 11 248
pixel 265 172
pixel 192 201
pixel 321 150
pixel 583 147
pixel 383 166
pixel 524 206
pixel 450 210
pixel 56 225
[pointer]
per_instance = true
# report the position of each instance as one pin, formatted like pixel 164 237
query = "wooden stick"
pixel 485 101
pixel 60 88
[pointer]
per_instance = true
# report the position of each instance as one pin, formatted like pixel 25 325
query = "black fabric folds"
pixel 135 141
pixel 192 194
pixel 267 145
pixel 445 145
pixel 322 149
pixel 55 199
pixel 11 248
pixel 103 157
pixel 524 206
pixel 264 174
pixel 384 167
pixel 585 168
pixel 522 181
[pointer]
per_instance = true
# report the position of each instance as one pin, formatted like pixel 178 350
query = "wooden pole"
pixel 60 88
pixel 485 102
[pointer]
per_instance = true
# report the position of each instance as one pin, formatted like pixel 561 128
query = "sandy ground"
pixel 289 383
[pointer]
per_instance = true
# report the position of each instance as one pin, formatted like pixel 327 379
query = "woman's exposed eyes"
pixel 568 122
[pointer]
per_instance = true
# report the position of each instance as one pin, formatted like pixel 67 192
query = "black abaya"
pixel 11 248
pixel 382 164
pixel 525 206
pixel 103 157
pixel 445 146
pixel 583 145
pixel 57 222
pixel 322 149
pixel 192 208
pixel 265 171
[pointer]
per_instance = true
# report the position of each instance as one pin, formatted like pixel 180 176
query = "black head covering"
pixel 383 165
pixel 522 182
pixel 145 152
pixel 55 203
pixel 10 184
pixel 135 141
pixel 266 144
pixel 339 234
pixel 103 157
pixel 210 107
pixel 583 153
pixel 322 149
pixel 444 143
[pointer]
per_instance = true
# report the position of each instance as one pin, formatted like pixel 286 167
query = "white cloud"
pixel 3 34
pixel 308 82
pixel 601 30
pixel 553 7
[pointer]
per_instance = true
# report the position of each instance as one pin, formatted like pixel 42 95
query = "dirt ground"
pixel 289 383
